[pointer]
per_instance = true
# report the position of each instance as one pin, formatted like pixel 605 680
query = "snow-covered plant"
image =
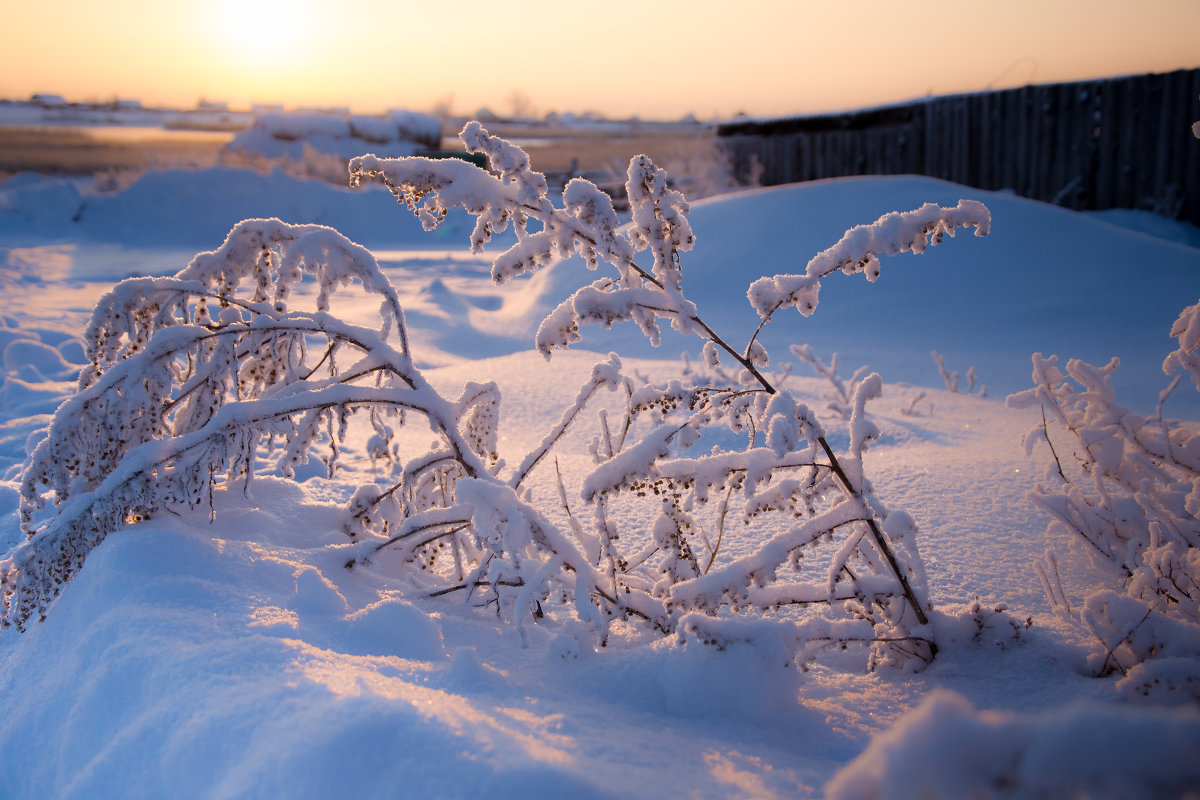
pixel 210 376
pixel 1126 488
pixel 818 560
pixel 841 393
pixel 911 408
pixel 951 378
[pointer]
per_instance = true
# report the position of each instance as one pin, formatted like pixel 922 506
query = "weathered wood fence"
pixel 1114 143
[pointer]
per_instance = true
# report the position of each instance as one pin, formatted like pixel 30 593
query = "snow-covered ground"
pixel 238 658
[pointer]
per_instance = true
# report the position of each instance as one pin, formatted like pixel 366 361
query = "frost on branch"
pixel 859 250
pixel 1125 488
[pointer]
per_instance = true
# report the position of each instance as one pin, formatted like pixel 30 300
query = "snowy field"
pixel 238 658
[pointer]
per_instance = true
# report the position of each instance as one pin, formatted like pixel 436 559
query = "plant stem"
pixel 877 535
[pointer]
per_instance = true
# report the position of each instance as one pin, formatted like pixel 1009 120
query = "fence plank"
pixel 1191 198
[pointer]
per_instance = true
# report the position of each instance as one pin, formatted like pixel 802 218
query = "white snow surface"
pixel 238 657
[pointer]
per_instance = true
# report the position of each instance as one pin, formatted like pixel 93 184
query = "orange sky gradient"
pixel 654 59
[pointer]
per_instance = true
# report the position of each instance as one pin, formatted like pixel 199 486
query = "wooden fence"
pixel 1114 143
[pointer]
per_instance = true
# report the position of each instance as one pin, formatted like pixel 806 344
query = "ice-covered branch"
pixel 859 250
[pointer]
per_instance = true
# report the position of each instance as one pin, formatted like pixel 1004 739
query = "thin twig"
pixel 721 511
pixel 477 584
pixel 328 352
pixel 462 524
pixel 1053 452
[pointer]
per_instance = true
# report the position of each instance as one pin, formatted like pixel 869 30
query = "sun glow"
pixel 263 34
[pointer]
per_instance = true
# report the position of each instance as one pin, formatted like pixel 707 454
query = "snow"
pixel 947 749
pixel 278 134
pixel 239 657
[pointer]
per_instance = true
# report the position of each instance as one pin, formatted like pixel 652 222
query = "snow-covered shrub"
pixel 1126 488
pixel 813 535
pixel 757 533
pixel 204 377
pixel 981 624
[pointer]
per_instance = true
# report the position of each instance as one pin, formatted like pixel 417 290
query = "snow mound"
pixel 40 203
pixel 948 749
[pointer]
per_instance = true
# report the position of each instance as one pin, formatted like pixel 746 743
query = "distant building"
pixel 48 100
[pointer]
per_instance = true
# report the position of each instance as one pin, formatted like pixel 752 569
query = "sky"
pixel 657 59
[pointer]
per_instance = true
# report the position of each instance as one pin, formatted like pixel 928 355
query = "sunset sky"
pixel 652 58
